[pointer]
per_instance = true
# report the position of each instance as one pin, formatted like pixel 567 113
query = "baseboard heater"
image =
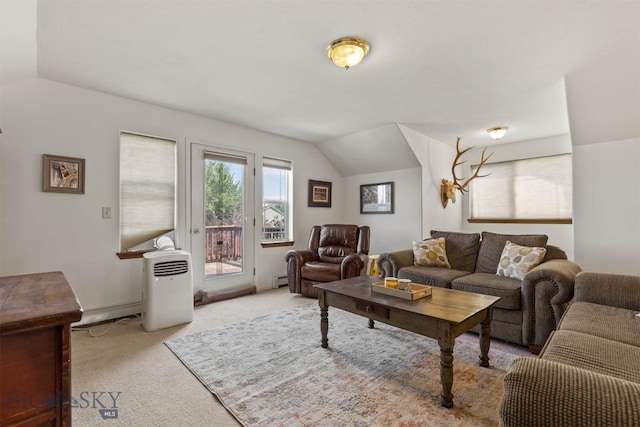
pixel 279 281
pixel 206 297
pixel 102 314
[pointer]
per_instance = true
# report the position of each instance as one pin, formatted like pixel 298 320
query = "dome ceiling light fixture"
pixel 347 52
pixel 497 132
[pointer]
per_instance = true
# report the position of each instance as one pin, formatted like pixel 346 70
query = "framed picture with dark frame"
pixel 376 198
pixel 62 174
pixel 319 194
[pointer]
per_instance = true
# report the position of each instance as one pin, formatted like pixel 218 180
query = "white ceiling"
pixel 443 68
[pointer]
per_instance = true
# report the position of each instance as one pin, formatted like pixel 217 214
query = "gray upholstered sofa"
pixel 588 373
pixel 529 308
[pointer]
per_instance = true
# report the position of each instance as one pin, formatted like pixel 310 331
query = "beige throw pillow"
pixel 431 253
pixel 516 261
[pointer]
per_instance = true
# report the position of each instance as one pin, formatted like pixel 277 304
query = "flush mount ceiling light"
pixel 347 52
pixel 497 132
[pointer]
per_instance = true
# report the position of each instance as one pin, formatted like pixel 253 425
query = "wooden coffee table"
pixel 443 316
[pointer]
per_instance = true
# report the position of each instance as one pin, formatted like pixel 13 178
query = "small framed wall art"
pixel 62 174
pixel 319 194
pixel 376 198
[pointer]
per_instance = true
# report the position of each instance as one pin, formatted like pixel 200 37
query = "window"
pixel 276 203
pixel 528 190
pixel 147 188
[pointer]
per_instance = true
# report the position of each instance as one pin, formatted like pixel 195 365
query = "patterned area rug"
pixel 271 371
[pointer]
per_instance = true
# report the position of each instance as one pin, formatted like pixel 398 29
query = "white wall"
pixel 52 231
pixel 561 235
pixel 435 158
pixel 389 232
pixel 49 231
pixel 382 149
pixel 18 40
pixel 606 189
pixel 603 95
pixel 423 194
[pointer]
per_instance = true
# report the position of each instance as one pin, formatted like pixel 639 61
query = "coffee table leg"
pixel 485 339
pixel 446 371
pixel 324 319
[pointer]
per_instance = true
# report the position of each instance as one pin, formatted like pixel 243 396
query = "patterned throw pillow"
pixel 516 261
pixel 430 253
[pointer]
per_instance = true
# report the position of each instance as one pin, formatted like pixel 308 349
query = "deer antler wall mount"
pixel 448 188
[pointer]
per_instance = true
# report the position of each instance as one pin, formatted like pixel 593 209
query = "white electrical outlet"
pixel 106 212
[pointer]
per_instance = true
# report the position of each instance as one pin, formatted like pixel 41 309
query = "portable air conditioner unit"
pixel 167 292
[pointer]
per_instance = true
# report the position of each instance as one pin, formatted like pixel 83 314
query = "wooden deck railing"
pixel 273 233
pixel 224 242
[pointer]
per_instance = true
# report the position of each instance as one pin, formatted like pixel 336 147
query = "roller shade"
pixel 276 163
pixel 536 188
pixel 147 188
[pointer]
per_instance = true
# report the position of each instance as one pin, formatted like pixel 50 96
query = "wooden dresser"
pixel 36 312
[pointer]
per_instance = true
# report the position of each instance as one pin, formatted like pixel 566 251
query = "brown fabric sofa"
pixel 334 252
pixel 588 373
pixel 528 310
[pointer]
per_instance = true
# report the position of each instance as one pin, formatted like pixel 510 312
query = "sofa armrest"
pixel 365 263
pixel 295 259
pixel 390 262
pixel 351 266
pixel 616 290
pixel 546 292
pixel 301 256
pixel 539 392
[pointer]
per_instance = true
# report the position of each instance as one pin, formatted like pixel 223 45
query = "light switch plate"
pixel 106 212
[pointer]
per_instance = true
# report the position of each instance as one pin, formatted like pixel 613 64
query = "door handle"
pixel 196 231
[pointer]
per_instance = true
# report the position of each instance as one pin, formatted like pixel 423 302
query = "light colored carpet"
pixel 271 371
pixel 156 388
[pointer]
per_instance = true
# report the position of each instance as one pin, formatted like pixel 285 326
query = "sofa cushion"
pixel 513 317
pixel 539 392
pixel 594 353
pixel 506 324
pixel 337 241
pixel 320 271
pixel 432 276
pixel 506 288
pixel 516 261
pixel 462 248
pixel 431 253
pixel 615 290
pixel 613 323
pixel 554 252
pixel 492 245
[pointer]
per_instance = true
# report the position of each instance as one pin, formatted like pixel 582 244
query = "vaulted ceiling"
pixel 443 68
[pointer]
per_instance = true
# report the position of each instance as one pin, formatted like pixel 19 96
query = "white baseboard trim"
pixel 108 313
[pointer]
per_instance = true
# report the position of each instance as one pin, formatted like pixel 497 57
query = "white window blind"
pixel 147 188
pixel 225 158
pixel 537 188
pixel 276 206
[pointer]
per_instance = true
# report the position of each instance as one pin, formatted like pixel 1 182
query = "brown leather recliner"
pixel 335 252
